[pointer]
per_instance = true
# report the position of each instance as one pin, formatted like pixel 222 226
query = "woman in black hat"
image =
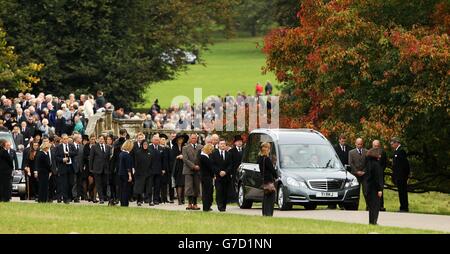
pixel 177 158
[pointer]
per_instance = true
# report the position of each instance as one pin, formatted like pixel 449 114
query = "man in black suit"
pixel 77 189
pixel 13 155
pixel 114 179
pixel 98 165
pixel 65 154
pixel 157 169
pixel 236 156
pixel 222 164
pixel 54 191
pixel 17 136
pixel 342 149
pixel 6 168
pixel 26 134
pixel 383 165
pixel 401 171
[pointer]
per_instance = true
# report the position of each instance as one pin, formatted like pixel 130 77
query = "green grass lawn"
pixel 58 218
pixel 231 66
pixel 426 203
pixel 430 203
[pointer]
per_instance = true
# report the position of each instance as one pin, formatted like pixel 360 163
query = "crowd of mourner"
pixel 63 164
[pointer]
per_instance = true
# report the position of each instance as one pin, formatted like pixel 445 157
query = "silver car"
pixel 19 186
pixel 310 172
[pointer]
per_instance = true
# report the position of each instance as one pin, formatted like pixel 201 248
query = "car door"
pixel 263 138
pixel 250 167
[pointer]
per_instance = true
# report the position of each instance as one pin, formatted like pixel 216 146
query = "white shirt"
pixel 67 149
pixel 222 154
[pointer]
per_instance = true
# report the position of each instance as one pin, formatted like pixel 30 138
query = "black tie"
pixel 194 146
pixel 359 151
pixel 103 149
pixel 223 155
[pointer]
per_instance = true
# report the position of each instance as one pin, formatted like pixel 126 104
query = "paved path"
pixel 403 220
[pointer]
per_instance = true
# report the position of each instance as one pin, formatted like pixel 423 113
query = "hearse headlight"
pixel 351 183
pixel 294 183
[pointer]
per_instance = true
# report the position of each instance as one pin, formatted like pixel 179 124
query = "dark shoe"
pixel 382 209
pixel 139 203
pixel 180 203
pixel 66 202
pixel 95 201
pixel 171 202
pixel 404 211
pixel 101 202
pixel 151 204
pixel 156 203
pixel 76 201
pixel 59 200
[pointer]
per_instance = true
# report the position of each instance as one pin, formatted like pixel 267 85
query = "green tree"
pixel 15 78
pixel 345 73
pixel 258 17
pixel 115 46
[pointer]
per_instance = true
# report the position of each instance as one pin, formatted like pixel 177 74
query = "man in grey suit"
pixel 77 189
pixel 191 171
pixel 357 161
pixel 98 165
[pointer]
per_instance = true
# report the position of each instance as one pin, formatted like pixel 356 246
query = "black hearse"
pixel 310 172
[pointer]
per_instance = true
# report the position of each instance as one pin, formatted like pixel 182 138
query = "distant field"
pixel 231 66
pixel 62 219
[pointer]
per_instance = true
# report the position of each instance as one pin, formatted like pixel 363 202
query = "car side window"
pixel 267 139
pixel 253 148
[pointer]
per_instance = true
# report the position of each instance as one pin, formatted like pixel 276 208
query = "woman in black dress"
pixel 29 164
pixel 125 170
pixel 176 156
pixel 375 181
pixel 207 176
pixel 269 176
pixel 142 172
